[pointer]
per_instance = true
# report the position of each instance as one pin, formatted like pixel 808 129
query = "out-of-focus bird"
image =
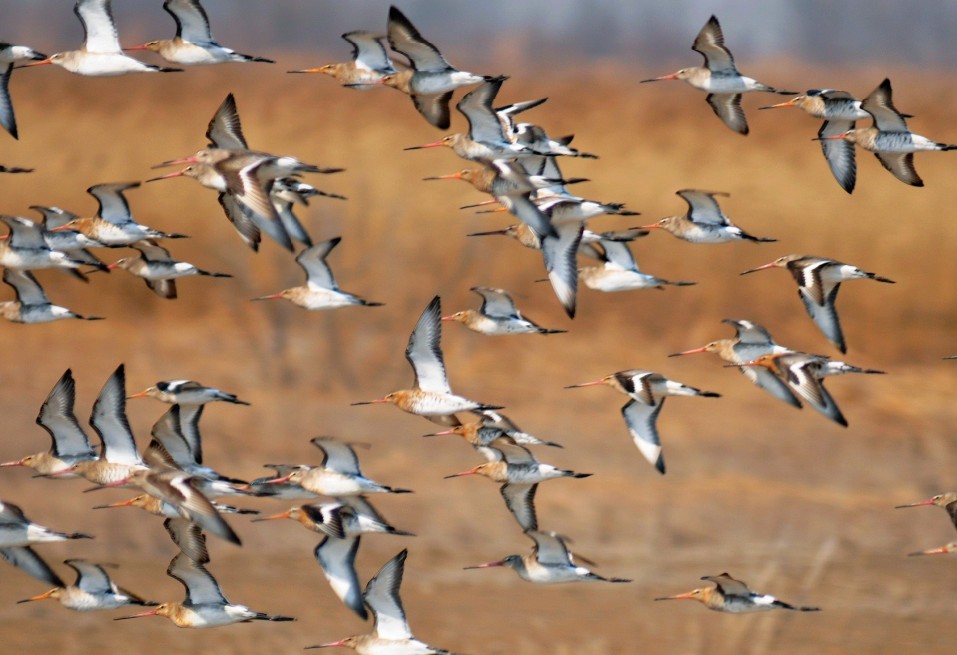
pixel 31 304
pixel 193 44
pixel 730 595
pixel 92 590
pixel 158 269
pixel 619 270
pixel 10 54
pixel 100 55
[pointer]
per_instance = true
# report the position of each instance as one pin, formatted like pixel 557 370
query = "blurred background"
pixel 791 503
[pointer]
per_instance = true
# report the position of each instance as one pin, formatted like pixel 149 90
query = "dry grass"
pixel 784 499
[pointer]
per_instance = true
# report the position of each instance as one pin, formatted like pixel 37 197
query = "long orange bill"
pixel 585 384
pixel 694 351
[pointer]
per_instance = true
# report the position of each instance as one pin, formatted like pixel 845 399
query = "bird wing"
pixel 496 303
pixel 424 350
pixel 405 39
pixel 641 420
pixel 337 557
pixel 28 290
pixel 57 418
pixel 99 30
pixel 192 24
pixel 225 130
pixel 111 424
pixel 520 501
pixel 189 538
pixel 728 585
pixel 7 118
pixel 618 255
pixel 201 587
pixel 246 228
pixel 152 251
pixel 476 105
pixel 839 153
pixel 710 43
pixel 189 416
pixel 749 332
pixel 824 315
pixel 113 205
pixel 514 453
pixel 24 233
pixel 808 386
pixel 880 105
pixel 382 597
pixel 524 209
pixel 162 288
pixel 179 489
pixel 167 430
pixel 368 51
pixel 771 383
pixel 727 107
pixel 434 107
pixel 313 262
pixel 703 208
pixel 91 578
pixel 561 262
pixel 901 165
pixel 337 455
pixel 550 547
pixel 24 557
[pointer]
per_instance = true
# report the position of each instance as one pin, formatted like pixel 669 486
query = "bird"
pixel 16 530
pixel 941 550
pixel 32 304
pixel 550 562
pixel 92 590
pixel 70 443
pixel 338 475
pixel 341 526
pixel 158 269
pixel 370 62
pixel 113 224
pixel 840 111
pixel 804 374
pixel 704 222
pixel 947 501
pixel 430 395
pixel 70 241
pixel 118 455
pixel 888 137
pixel 193 44
pixel 750 342
pixel 497 316
pixel 483 432
pixel 321 290
pixel 486 140
pixel 819 280
pixel 431 80
pixel 26 249
pixel 205 605
pixel 100 55
pixel 181 490
pixel 720 77
pixel 267 485
pixel 731 595
pixel 10 54
pixel 619 271
pixel 648 391
pixel 519 473
pixel 186 392
pixel 390 634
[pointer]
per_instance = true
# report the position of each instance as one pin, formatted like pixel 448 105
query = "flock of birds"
pixel 516 164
